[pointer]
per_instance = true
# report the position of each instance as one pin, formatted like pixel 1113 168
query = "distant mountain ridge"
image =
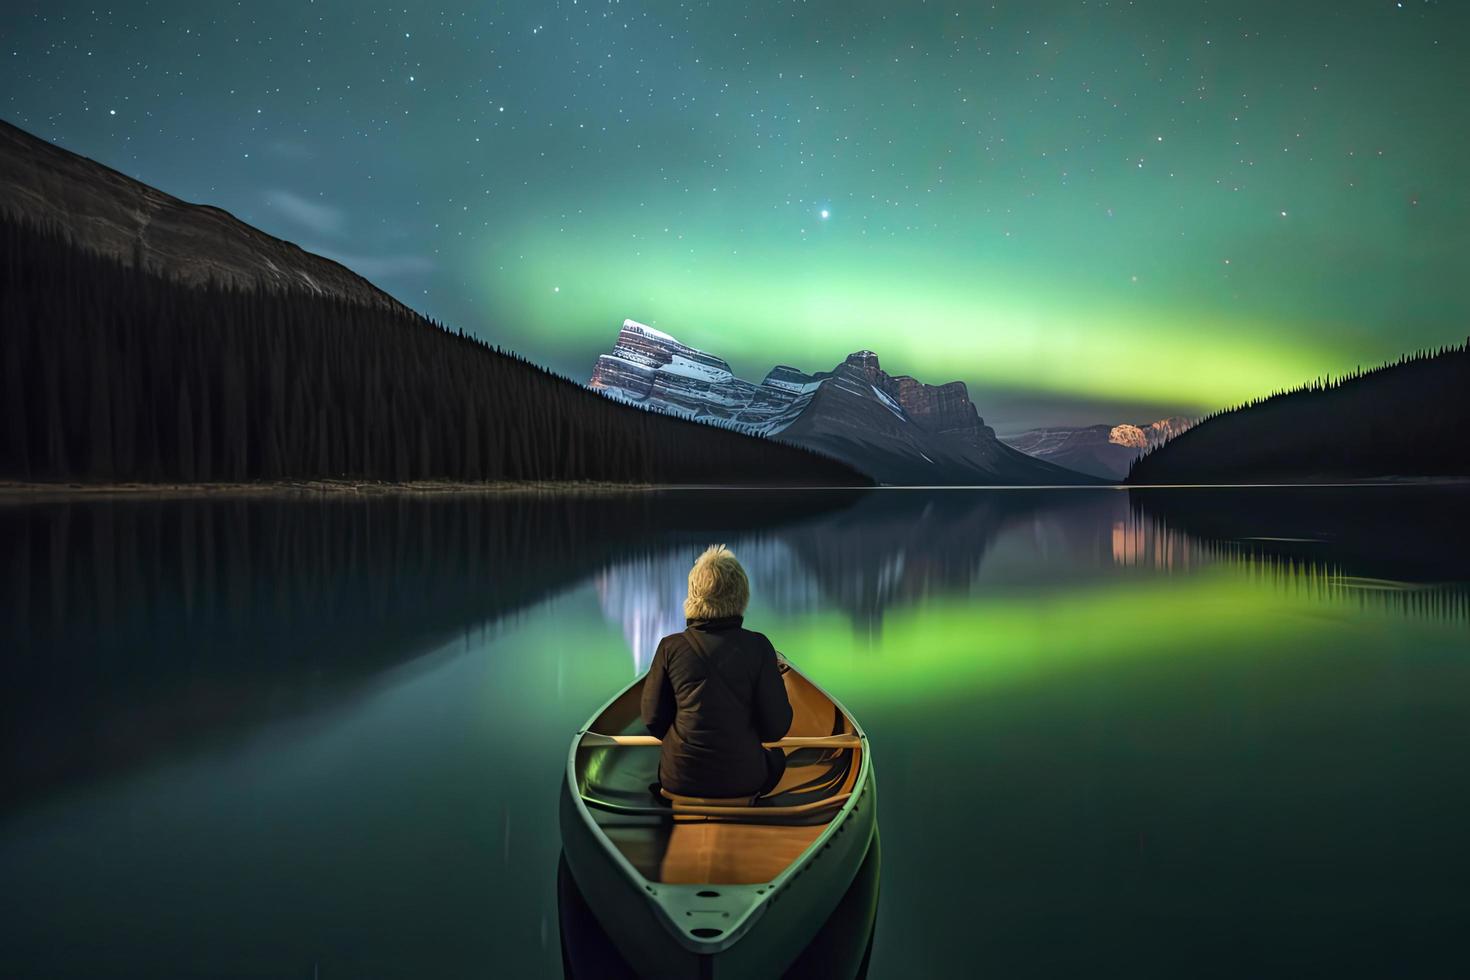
pixel 111 214
pixel 1405 419
pixel 1105 451
pixel 896 428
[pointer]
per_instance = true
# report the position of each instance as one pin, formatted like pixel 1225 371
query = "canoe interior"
pixel 711 850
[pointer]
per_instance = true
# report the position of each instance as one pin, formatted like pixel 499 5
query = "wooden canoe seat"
pixel 736 808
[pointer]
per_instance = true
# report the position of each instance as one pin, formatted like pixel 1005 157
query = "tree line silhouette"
pixel 1404 418
pixel 110 372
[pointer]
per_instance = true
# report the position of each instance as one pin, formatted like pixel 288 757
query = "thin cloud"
pixel 287 150
pixel 377 267
pixel 320 218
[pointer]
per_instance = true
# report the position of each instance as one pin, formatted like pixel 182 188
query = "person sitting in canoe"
pixel 714 692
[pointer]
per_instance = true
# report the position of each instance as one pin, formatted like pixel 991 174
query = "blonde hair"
pixel 717 586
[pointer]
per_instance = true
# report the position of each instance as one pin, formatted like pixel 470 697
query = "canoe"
pixel 840 951
pixel 708 889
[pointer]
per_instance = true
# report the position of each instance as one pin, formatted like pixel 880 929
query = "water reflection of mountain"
pixel 130 624
pixel 893 549
pixel 1401 546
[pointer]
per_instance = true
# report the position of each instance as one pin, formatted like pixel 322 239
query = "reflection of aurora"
pixel 901 551
pixel 896 551
pixel 1107 706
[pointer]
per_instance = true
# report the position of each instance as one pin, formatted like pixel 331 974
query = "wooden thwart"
pixel 698 807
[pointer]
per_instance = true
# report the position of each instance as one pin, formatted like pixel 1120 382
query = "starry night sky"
pixel 1088 211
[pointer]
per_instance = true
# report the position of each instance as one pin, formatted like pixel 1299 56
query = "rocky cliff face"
pixel 1129 436
pixel 650 368
pixel 896 428
pixel 1163 430
pixel 942 408
pixel 1100 450
pixel 114 215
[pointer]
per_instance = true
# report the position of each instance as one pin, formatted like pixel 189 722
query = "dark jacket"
pixel 713 698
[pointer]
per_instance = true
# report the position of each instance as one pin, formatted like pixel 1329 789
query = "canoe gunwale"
pixel 597 740
pixel 667 899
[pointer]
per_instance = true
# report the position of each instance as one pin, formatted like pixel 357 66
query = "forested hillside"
pixel 1408 419
pixel 109 372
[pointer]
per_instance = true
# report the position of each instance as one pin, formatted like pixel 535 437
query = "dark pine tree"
pixel 1405 419
pixel 112 372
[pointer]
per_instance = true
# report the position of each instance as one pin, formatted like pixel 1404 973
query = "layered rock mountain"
pixel 1100 450
pixel 651 368
pixel 895 428
pixel 114 215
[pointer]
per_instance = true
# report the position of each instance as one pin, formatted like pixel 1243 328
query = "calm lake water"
pixel 1148 733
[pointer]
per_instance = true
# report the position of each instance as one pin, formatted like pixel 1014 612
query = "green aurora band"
pixel 1082 209
pixel 1150 205
pixel 938 324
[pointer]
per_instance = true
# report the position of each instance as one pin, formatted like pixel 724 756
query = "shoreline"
pixel 22 492
pixel 12 491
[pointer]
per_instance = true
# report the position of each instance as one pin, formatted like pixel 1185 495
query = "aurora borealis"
pixel 1084 210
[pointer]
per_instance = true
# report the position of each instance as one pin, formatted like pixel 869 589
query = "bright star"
pixel 826 214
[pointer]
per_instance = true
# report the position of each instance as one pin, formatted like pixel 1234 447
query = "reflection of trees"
pixel 133 622
pixel 1399 546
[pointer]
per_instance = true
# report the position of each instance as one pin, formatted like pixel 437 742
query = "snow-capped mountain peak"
pixel 897 428
pixel 1103 450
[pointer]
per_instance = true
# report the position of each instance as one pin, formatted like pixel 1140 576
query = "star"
pixel 965 137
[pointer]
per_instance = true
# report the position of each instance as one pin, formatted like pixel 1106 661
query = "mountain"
pixel 144 339
pixel 1101 450
pixel 893 427
pixel 650 368
pixel 1405 419
pixel 114 215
